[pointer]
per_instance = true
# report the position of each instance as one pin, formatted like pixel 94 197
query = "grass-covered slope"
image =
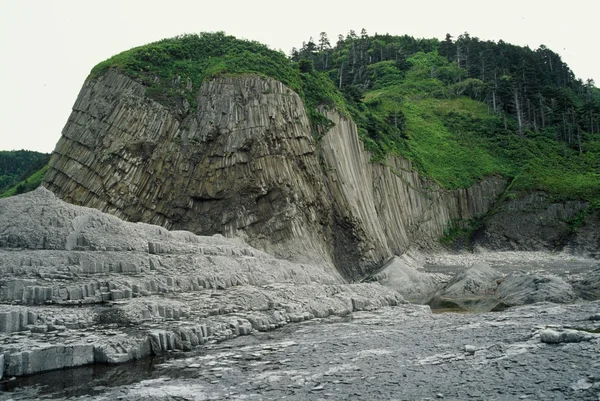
pixel 459 110
pixel 456 140
pixel 28 184
pixel 18 165
pixel 465 109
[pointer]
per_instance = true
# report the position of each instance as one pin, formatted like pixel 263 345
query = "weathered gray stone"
pixel 479 280
pixel 473 289
pixel 534 222
pixel 550 336
pixel 522 289
pixel 401 275
pixel 588 287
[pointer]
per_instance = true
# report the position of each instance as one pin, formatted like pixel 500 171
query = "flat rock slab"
pixel 403 352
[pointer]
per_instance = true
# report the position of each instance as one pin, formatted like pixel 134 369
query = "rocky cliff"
pixel 244 164
pixel 535 222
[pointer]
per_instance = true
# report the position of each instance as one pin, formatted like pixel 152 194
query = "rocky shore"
pixel 398 353
pixel 82 289
pixel 79 286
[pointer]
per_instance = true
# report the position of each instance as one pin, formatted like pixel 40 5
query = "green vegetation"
pixel 28 184
pixel 466 109
pixel 17 165
pixel 460 110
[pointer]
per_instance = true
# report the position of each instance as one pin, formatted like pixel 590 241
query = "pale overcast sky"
pixel 49 46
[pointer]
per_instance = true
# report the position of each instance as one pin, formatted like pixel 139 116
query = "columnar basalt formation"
pixel 244 164
pixel 78 286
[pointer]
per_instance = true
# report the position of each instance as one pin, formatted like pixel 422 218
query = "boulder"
pixel 479 280
pixel 401 275
pixel 522 289
pixel 550 336
pixel 589 287
pixel 473 289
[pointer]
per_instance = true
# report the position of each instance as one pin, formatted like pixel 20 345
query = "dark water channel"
pixel 83 380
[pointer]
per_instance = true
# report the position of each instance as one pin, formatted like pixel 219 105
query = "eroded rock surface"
pixel 403 274
pixel 473 289
pixel 78 286
pixel 405 353
pixel 588 286
pixel 522 289
pixel 517 278
pixel 534 222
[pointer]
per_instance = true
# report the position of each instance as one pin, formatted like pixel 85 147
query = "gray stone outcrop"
pixel 78 286
pixel 521 289
pixel 472 289
pixel 402 274
pixel 533 222
pixel 550 336
pixel 588 287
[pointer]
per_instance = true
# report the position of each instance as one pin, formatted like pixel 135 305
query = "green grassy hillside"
pixel 18 165
pixel 28 184
pixel 466 109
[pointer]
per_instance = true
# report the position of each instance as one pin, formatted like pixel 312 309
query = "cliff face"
pixel 244 164
pixel 383 210
pixel 535 222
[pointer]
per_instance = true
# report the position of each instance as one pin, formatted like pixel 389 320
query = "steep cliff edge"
pixel 244 163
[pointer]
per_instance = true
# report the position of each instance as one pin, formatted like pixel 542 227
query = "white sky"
pixel 48 47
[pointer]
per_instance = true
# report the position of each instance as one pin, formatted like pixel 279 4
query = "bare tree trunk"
pixel 519 116
pixel 543 114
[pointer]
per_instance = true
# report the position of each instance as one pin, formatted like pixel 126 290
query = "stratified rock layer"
pixel 244 164
pixel 79 286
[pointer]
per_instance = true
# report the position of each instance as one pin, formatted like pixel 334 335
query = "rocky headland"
pixel 163 230
pixel 245 165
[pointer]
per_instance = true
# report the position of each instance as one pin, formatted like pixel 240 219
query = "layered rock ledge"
pixel 79 286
